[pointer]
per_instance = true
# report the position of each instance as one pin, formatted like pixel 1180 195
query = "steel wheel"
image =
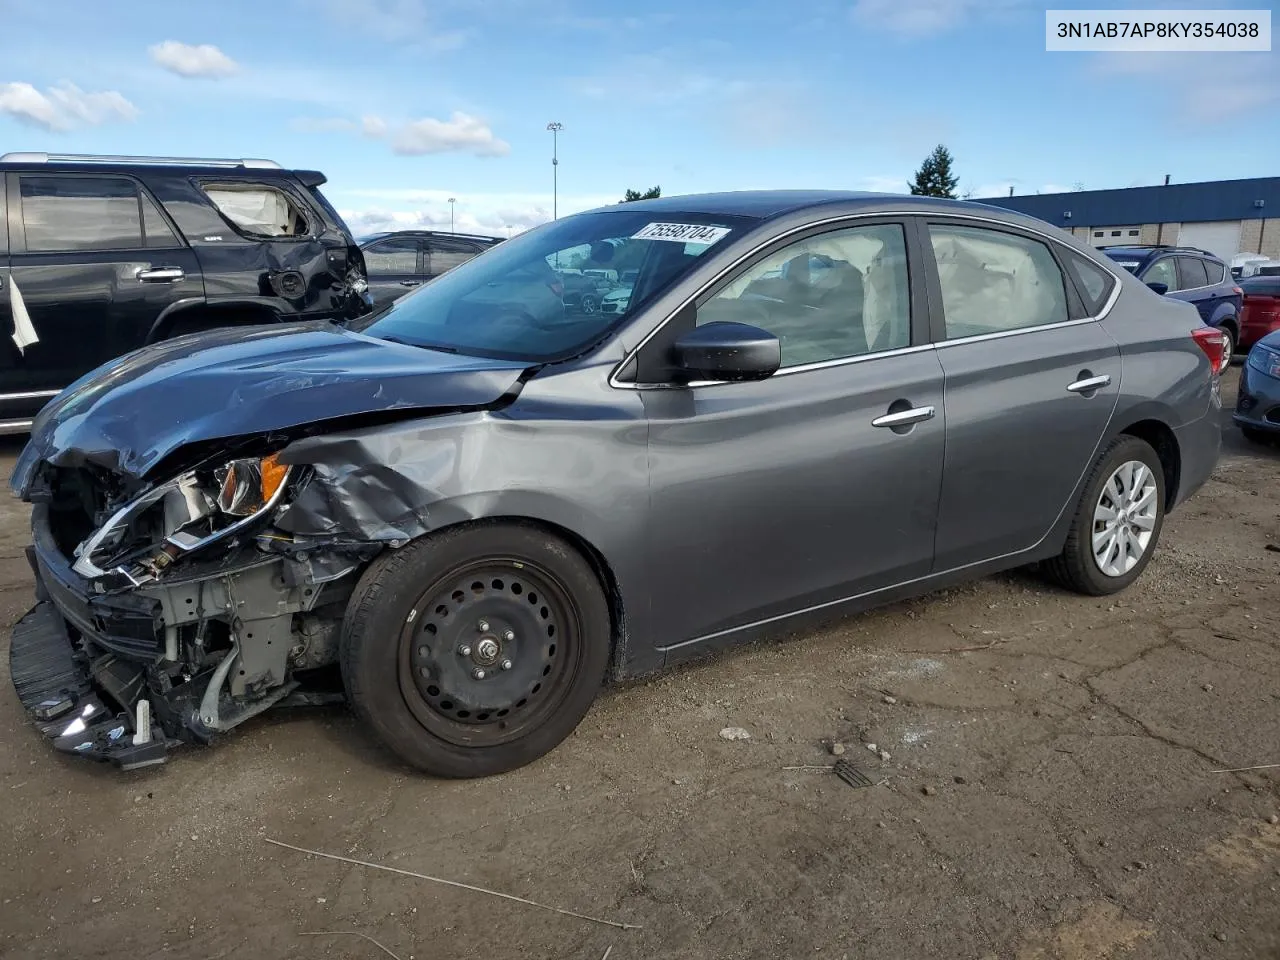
pixel 1124 518
pixel 489 651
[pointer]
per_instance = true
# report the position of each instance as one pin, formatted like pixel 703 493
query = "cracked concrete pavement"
pixel 1069 746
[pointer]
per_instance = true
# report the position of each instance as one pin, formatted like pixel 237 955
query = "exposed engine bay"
pixel 186 608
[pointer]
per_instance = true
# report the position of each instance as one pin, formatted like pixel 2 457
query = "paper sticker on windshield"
pixel 682 233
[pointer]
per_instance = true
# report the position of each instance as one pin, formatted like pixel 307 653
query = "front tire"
pixel 476 650
pixel 1117 521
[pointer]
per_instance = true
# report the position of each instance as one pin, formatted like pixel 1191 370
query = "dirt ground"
pixel 1051 792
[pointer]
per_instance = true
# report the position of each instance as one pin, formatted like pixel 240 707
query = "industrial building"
pixel 1225 217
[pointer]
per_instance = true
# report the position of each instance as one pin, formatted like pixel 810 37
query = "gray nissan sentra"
pixel 466 513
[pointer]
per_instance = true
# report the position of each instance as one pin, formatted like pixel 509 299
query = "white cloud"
pixel 498 214
pixel 63 107
pixel 653 80
pixel 916 18
pixel 193 60
pixel 885 184
pixel 1200 87
pixel 395 21
pixel 461 133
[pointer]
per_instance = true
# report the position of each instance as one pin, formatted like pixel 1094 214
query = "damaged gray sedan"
pixel 466 513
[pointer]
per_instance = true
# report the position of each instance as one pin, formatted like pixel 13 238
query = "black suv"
pixel 101 255
pixel 401 260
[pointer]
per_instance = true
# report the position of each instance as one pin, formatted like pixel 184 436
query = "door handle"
pixel 410 283
pixel 1089 384
pixel 159 274
pixel 904 418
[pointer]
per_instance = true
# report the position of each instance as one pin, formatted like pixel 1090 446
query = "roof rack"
pixel 1155 246
pixel 246 162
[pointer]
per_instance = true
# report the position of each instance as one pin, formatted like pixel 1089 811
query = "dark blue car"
pixel 1190 274
pixel 1258 403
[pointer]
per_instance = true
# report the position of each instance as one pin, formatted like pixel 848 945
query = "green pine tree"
pixel 653 193
pixel 934 178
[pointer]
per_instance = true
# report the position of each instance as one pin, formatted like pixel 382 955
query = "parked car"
pixel 1251 264
pixel 480 507
pixel 616 300
pixel 1190 274
pixel 1257 411
pixel 403 260
pixel 1261 313
pixel 106 254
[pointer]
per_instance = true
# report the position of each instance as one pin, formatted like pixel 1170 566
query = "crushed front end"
pixel 171 612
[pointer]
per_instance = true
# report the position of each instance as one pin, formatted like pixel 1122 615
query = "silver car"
pixel 476 511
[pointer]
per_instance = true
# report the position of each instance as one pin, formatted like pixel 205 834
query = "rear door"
pixel 93 262
pixel 394 267
pixel 1030 380
pixel 445 253
pixel 1193 286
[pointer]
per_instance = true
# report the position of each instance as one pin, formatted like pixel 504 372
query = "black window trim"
pixel 18 228
pixel 914 217
pixel 420 255
pixel 284 186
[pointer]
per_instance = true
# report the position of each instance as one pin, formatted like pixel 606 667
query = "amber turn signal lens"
pixel 273 474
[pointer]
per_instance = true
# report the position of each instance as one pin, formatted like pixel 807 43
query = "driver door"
pixel 820 483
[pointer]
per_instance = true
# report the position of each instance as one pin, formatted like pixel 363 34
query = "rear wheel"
pixel 477 650
pixel 1117 521
pixel 1229 349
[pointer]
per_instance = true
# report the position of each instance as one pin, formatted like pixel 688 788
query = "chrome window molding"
pixel 30 395
pixel 841 361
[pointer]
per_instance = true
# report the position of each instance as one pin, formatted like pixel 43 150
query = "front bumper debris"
pixel 54 684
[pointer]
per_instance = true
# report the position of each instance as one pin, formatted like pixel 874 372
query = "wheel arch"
pixel 595 557
pixel 1161 437
pixel 218 313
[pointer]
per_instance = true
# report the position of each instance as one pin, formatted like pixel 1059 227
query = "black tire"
pixel 1076 568
pixel 590 304
pixel 405 674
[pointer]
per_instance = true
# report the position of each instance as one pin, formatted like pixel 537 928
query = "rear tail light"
pixel 1214 344
pixel 1237 291
pixel 557 288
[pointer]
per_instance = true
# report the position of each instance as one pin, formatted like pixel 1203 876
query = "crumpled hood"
pixel 132 412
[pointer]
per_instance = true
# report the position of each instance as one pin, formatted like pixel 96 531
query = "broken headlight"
pixel 185 514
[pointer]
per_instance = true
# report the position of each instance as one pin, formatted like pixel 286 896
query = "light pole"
pixel 452 201
pixel 555 129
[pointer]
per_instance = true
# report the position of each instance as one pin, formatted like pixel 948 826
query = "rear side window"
pixel 63 214
pixel 994 281
pixel 1191 273
pixel 392 257
pixel 1093 282
pixel 258 210
pixel 446 254
pixel 1214 272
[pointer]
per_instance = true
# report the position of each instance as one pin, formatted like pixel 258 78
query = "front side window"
pixel 446 254
pixel 392 258
pixel 258 210
pixel 994 281
pixel 1191 273
pixel 529 299
pixel 1162 272
pixel 836 295
pixel 83 213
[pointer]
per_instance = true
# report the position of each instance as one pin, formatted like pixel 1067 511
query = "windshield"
pixel 538 296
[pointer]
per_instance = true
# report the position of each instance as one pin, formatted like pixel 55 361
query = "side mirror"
pixel 1160 288
pixel 728 351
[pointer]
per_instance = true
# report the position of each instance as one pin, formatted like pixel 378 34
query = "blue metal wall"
pixel 1176 203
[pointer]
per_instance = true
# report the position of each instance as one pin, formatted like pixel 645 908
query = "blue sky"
pixel 404 103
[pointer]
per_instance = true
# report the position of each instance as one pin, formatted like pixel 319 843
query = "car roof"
pixel 767 204
pixel 142 168
pixel 383 234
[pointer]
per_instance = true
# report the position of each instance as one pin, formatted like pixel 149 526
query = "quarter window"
pixel 828 297
pixel 993 282
pixel 1093 282
pixel 258 210
pixel 90 213
pixel 1214 272
pixel 392 258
